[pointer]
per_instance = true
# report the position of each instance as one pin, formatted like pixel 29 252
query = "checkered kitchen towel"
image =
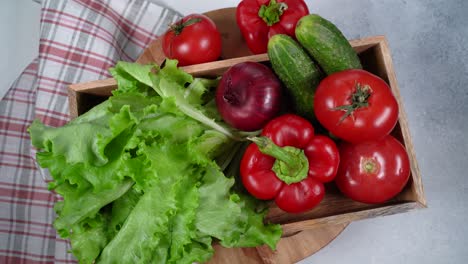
pixel 79 41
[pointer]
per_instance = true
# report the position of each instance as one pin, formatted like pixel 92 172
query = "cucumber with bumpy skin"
pixel 296 70
pixel 326 44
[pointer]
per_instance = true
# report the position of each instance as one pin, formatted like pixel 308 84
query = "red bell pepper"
pixel 289 164
pixel 258 20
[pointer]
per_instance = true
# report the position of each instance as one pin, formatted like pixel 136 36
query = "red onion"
pixel 248 96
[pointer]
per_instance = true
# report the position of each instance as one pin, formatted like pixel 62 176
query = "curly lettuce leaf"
pixel 170 83
pixel 132 77
pixel 79 206
pixel 141 174
pixel 228 217
pixel 89 237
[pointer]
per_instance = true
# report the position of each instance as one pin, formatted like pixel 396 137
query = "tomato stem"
pixel 291 163
pixel 178 27
pixel 369 165
pixel 272 12
pixel 359 99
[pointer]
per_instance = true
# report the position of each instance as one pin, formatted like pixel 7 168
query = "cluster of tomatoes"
pixel 360 109
pixel 289 163
pixel 367 163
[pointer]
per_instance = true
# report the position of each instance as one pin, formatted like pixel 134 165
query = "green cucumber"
pixel 326 44
pixel 296 70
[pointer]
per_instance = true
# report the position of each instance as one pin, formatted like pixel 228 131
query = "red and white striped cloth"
pixel 79 41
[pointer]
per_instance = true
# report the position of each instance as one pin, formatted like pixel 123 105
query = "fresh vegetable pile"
pixel 324 82
pixel 160 170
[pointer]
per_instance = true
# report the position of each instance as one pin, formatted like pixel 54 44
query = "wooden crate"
pixel 335 208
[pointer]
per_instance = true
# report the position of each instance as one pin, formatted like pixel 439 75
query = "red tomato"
pixel 356 105
pixel 372 171
pixel 192 40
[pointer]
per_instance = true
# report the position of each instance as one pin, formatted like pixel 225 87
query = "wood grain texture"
pixel 73 101
pixel 153 53
pixel 306 233
pixel 417 189
pixel 217 68
pixel 233 43
pixel 345 218
pixel 289 250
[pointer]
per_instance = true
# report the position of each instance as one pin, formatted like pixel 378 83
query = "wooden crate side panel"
pixel 294 227
pixel 417 192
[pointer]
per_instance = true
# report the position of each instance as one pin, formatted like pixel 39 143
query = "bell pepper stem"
pixel 291 164
pixel 272 12
pixel 268 147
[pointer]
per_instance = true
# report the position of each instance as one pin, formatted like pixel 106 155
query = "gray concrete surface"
pixel 428 39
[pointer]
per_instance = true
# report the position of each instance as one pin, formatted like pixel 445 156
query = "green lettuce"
pixel 148 176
